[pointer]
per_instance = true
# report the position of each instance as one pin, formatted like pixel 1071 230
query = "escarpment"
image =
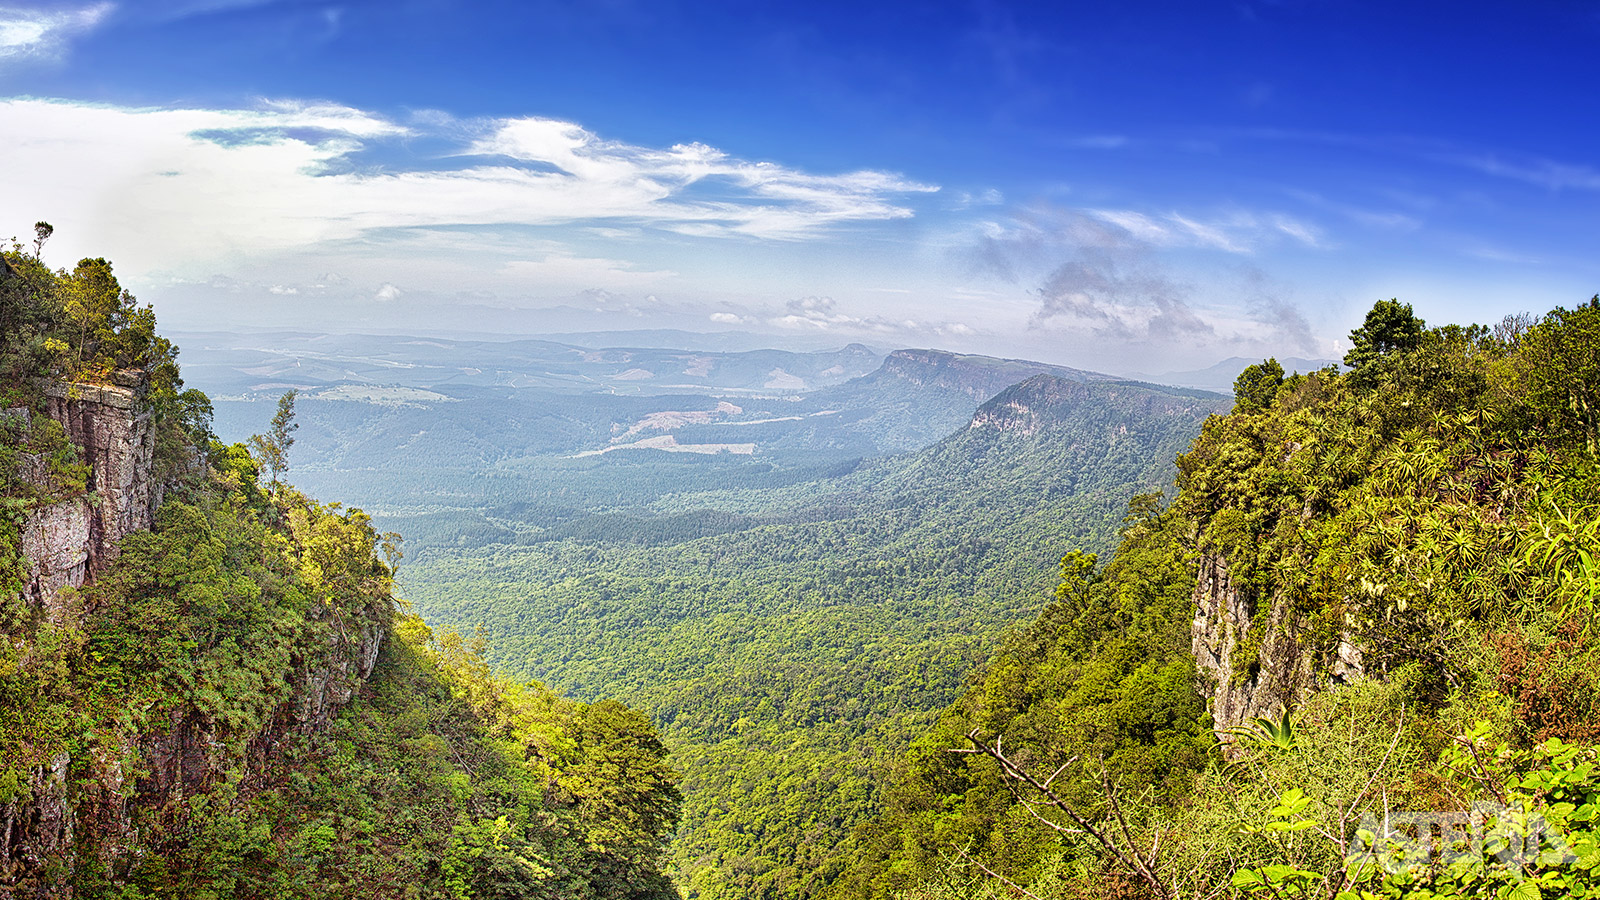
pixel 978 377
pixel 207 688
pixel 143 686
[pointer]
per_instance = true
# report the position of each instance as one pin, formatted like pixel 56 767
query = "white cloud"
pixel 621 180
pixel 1123 279
pixel 1296 229
pixel 986 197
pixel 387 292
pixel 183 9
pixel 200 188
pixel 561 267
pixel 823 314
pixel 44 33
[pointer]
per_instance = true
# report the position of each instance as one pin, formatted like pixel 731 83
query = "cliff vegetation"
pixel 208 687
pixel 1354 657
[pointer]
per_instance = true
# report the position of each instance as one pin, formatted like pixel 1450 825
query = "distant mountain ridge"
pixel 1220 377
pixel 979 377
pixel 918 396
pixel 715 341
pixel 370 401
pixel 265 364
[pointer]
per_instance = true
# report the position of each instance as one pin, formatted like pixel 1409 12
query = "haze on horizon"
pixel 1146 187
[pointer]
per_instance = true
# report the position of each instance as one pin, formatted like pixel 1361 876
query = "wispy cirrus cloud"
pixel 183 9
pixel 1234 232
pixel 195 185
pixel 1389 220
pixel 1097 142
pixel 44 33
pixel 1006 248
pixel 1544 173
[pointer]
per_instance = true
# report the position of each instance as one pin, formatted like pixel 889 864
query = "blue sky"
pixel 1131 187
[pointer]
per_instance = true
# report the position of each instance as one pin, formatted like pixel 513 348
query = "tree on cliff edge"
pixel 1390 327
pixel 273 447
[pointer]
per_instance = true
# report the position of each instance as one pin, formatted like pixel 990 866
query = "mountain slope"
pixel 918 396
pixel 1375 592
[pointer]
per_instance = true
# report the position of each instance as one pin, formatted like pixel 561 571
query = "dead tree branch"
pixel 1131 859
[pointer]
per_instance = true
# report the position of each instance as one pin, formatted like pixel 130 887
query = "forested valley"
pixel 602 622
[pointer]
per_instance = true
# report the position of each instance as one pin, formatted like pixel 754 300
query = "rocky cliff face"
pixel 92 799
pixel 1023 408
pixel 68 542
pixel 1249 670
pixel 91 806
pixel 65 544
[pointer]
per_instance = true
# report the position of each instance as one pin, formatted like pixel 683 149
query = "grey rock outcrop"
pixel 68 542
pixel 1283 666
pixel 56 541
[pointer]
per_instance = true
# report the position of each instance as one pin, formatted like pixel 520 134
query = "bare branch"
pixel 993 874
pixel 1060 770
pixel 1134 863
pixel 1483 777
pixel 1399 728
pixel 1116 808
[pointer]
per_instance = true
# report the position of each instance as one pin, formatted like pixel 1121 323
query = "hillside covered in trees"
pixel 1354 657
pixel 208 687
pixel 790 615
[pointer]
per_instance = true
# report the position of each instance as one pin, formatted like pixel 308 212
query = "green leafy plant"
pixel 1277 733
